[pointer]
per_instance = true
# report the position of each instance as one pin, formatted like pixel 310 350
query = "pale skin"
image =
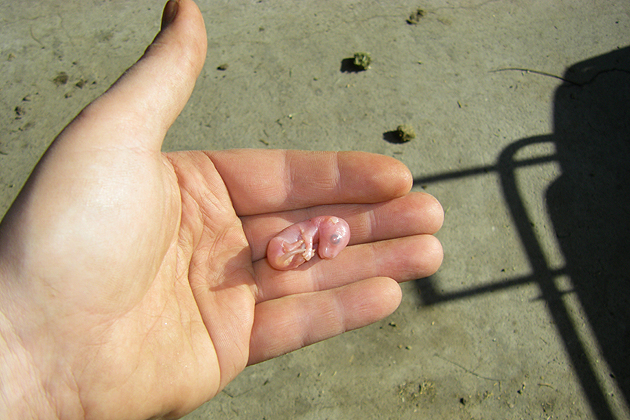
pixel 134 283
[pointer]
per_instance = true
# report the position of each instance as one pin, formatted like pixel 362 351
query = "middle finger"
pixel 413 214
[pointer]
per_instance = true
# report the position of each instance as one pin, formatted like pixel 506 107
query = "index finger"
pixel 263 181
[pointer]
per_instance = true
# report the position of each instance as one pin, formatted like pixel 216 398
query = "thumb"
pixel 143 103
pixel 101 180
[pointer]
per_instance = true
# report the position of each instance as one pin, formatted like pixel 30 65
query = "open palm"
pixel 134 283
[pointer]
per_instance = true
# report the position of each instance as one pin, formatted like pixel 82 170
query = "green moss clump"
pixel 362 60
pixel 405 133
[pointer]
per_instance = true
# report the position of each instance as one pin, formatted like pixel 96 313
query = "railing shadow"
pixel 589 205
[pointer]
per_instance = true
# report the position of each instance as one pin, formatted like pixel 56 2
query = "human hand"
pixel 134 283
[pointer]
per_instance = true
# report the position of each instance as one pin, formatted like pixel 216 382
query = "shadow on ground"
pixel 589 205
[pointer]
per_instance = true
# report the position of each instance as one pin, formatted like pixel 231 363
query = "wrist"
pixel 22 394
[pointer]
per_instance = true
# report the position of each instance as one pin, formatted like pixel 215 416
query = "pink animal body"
pixel 326 235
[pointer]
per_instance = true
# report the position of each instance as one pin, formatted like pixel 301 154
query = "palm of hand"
pixel 193 324
pixel 142 276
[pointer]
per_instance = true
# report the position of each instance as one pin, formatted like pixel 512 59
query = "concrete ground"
pixel 522 115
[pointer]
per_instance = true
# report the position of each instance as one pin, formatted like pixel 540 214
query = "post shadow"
pixel 589 206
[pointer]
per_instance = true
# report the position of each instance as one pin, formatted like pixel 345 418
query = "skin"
pixel 134 283
pixel 297 244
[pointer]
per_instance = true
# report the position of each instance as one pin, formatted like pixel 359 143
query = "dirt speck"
pixel 19 112
pixel 415 16
pixel 61 79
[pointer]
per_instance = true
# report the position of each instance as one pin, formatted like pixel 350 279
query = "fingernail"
pixel 170 11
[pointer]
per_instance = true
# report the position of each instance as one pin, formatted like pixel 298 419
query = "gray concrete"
pixel 529 316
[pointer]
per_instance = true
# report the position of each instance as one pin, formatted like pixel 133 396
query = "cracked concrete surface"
pixel 522 115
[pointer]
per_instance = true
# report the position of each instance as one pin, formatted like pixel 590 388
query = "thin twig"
pixel 542 73
pixel 468 370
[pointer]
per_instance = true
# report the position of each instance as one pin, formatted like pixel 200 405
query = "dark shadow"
pixel 348 66
pixel 393 137
pixel 589 205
